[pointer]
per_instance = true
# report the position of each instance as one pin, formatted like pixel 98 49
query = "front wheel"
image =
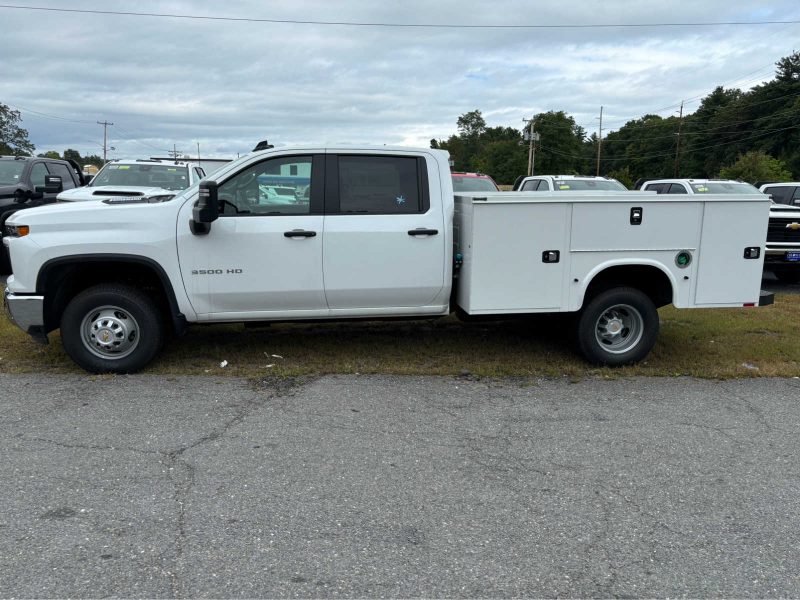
pixel 112 328
pixel 617 327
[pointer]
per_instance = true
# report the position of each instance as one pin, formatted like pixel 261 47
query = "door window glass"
pixel 531 186
pixel 677 188
pixel 279 186
pixel 62 171
pixel 782 194
pixel 38 173
pixel 379 185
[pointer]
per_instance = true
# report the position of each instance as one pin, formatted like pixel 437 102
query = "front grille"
pixel 777 231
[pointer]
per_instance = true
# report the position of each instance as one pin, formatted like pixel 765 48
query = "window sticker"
pixel 124 167
pixel 563 186
pixel 400 199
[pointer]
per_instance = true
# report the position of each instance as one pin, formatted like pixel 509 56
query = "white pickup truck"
pixel 343 233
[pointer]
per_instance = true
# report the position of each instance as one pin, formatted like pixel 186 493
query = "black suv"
pixel 27 181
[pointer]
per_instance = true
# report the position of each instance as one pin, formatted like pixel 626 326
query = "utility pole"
pixel 174 153
pixel 105 125
pixel 198 152
pixel 599 141
pixel 678 143
pixel 532 137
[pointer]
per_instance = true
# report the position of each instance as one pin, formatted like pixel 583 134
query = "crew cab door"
pixel 384 241
pixel 263 255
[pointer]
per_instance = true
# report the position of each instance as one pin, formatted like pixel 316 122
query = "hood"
pixel 104 192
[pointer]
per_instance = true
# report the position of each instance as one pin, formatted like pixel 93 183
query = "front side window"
pixel 278 186
pixel 67 182
pixel 677 188
pixel 379 185
pixel 531 186
pixel 38 173
pixel 168 177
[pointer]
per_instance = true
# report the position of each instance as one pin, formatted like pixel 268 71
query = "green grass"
pixel 712 343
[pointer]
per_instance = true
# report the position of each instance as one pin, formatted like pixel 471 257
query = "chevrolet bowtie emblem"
pixel 793 226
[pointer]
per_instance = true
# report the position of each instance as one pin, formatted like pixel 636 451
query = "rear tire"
pixel 112 328
pixel 617 327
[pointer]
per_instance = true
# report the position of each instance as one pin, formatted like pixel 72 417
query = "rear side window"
pixel 67 181
pixel 380 185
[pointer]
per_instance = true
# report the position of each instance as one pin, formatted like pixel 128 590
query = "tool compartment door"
pixel 725 277
pixel 507 272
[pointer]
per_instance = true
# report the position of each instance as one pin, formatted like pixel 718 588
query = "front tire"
pixel 112 328
pixel 617 327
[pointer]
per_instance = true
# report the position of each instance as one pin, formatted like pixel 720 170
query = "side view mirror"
pixel 206 211
pixel 87 179
pixel 21 196
pixel 52 185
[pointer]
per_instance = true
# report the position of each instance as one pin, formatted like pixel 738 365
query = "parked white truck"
pixel 372 233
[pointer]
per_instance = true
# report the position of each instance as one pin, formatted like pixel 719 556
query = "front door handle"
pixel 422 231
pixel 299 233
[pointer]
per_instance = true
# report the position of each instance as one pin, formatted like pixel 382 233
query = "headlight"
pixel 17 230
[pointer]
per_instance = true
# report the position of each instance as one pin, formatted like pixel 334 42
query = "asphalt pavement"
pixel 380 486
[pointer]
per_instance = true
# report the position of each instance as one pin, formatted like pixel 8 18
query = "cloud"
pixel 228 85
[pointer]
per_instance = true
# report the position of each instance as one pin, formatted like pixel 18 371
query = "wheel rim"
pixel 110 332
pixel 619 328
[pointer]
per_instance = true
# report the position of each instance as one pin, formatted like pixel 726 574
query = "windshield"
pixel 473 184
pixel 168 177
pixel 589 184
pixel 721 187
pixel 11 171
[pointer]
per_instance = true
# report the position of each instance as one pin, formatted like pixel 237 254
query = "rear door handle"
pixel 299 233
pixel 422 231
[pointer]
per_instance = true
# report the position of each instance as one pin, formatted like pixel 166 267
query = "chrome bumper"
pixel 27 313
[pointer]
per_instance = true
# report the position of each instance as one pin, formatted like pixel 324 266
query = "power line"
pixel 382 24
pixel 48 116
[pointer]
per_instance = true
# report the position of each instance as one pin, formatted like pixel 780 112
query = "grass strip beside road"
pixel 711 343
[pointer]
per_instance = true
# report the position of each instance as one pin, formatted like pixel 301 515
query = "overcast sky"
pixel 227 85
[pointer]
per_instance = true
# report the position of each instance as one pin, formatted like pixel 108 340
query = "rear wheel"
pixel 617 327
pixel 112 328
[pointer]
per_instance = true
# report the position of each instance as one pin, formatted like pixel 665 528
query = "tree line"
pixel 752 135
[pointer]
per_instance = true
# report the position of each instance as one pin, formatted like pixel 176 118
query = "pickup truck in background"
pixel 153 178
pixel 782 252
pixel 567 183
pixel 372 233
pixel 28 181
pixel 783 237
